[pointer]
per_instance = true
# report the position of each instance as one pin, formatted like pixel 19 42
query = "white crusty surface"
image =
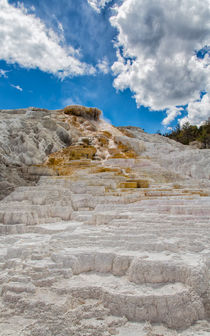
pixel 184 160
pixel 81 256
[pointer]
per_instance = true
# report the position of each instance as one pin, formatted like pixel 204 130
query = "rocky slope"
pixel 28 136
pixel 106 231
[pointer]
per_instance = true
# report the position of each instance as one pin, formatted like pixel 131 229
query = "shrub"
pixel 82 111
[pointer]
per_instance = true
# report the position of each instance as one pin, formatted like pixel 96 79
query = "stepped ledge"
pixel 103 230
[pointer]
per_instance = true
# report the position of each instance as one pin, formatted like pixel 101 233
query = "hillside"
pixel 103 230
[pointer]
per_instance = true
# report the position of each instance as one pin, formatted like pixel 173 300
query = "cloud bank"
pixel 157 44
pixel 26 40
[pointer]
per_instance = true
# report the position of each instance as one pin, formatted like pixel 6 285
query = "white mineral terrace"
pixel 77 260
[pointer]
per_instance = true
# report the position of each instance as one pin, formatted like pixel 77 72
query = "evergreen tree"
pixel 189 133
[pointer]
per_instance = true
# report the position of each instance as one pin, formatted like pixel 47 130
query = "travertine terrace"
pixel 106 231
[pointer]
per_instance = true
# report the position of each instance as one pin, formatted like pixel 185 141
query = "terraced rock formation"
pixel 113 238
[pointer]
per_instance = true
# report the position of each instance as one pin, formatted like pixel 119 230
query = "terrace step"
pixel 142 252
pixel 172 304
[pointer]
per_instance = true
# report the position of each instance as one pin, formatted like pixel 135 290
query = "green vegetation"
pixel 189 133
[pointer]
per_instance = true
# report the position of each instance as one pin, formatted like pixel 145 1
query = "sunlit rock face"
pixel 106 231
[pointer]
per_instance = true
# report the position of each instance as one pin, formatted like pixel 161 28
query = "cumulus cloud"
pixel 157 45
pixel 27 41
pixel 103 66
pixel 97 5
pixel 198 111
pixel 172 113
pixel 17 87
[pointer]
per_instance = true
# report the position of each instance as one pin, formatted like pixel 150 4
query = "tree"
pixel 189 133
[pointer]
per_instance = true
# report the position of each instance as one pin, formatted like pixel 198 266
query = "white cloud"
pixel 156 57
pixel 17 87
pixel 26 40
pixel 3 73
pixel 103 66
pixel 172 113
pixel 97 5
pixel 198 111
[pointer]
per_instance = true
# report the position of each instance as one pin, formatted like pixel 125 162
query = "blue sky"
pixel 129 58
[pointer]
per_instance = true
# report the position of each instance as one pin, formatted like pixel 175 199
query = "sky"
pixel 144 63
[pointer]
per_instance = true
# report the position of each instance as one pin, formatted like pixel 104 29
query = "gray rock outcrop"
pixel 27 137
